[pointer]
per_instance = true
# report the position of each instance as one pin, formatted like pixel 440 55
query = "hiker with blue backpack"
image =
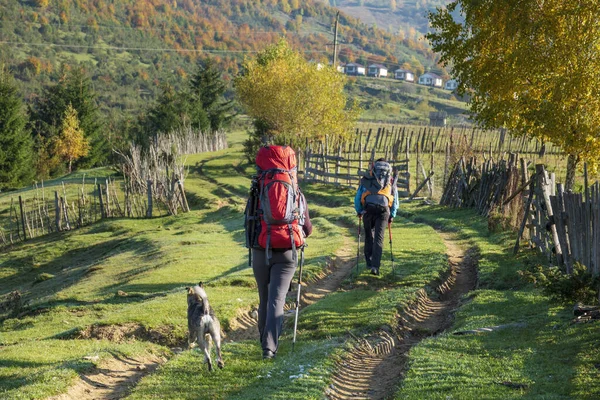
pixel 376 203
pixel 277 223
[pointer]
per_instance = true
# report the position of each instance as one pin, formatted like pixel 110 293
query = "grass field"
pixel 133 272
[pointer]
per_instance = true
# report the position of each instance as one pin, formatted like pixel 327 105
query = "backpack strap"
pixel 294 252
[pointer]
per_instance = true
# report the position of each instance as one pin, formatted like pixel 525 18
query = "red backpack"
pixel 275 209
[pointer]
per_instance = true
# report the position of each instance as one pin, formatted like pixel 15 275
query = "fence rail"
pixel 152 186
pixel 564 226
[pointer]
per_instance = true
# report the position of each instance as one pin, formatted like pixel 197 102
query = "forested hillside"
pixel 129 48
pixel 407 18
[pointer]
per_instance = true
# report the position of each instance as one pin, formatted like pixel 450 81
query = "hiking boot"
pixel 268 355
pixel 374 271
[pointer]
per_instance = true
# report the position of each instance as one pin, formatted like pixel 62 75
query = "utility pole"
pixel 335 30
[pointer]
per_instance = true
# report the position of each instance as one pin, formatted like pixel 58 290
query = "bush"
pixel 580 286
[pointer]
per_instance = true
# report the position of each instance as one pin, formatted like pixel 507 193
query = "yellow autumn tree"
pixel 41 3
pixel 292 99
pixel 71 144
pixel 531 68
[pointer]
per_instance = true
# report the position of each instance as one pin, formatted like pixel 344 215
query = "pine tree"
pixel 16 145
pixel 71 144
pixel 167 114
pixel 208 109
pixel 48 111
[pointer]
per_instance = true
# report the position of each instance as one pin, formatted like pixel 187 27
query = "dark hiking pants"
pixel 375 220
pixel 273 284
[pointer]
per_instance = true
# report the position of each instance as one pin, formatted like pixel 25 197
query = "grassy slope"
pixel 152 260
pixel 549 356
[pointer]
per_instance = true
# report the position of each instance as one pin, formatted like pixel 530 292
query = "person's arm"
pixel 357 204
pixel 395 203
pixel 307 227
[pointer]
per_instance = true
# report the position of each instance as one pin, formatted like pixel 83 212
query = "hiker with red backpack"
pixel 376 203
pixel 277 223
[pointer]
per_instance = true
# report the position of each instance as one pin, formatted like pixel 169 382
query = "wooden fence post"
pixel 545 190
pixel 57 212
pixel 560 217
pixel 149 211
pixel 102 210
pixel 526 214
pixel 184 202
pixel 22 218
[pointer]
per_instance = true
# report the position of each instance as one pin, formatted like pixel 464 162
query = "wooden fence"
pixel 494 142
pixel 75 206
pixel 413 151
pixel 347 163
pixel 564 226
pixel 152 186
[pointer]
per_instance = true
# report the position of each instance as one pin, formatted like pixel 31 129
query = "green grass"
pixel 549 356
pixel 120 271
pixel 34 370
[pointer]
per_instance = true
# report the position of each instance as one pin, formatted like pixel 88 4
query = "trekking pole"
pixel 358 249
pixel 391 251
pixel 298 296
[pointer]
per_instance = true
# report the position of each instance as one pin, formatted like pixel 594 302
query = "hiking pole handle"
pixel 298 297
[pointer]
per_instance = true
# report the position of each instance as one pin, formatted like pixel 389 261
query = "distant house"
pixel 404 75
pixel 431 79
pixel 452 84
pixel 354 69
pixel 377 70
pixel 341 68
pixel 438 118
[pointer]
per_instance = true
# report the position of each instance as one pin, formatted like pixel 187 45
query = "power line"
pixel 172 50
pixel 165 29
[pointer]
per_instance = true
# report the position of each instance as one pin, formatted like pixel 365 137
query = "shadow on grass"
pixel 38 372
pixel 327 195
pixel 67 269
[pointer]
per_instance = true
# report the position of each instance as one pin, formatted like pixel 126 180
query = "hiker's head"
pixel 380 159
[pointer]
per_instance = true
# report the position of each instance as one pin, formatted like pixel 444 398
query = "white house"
pixel 377 70
pixel 452 84
pixel 431 79
pixel 341 68
pixel 404 75
pixel 354 69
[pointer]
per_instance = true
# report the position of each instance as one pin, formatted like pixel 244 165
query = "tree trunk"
pixel 70 164
pixel 572 162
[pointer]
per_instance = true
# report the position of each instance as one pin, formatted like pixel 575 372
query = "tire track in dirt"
pixel 113 379
pixel 375 366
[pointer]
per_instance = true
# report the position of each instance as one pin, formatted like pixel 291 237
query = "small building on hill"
pixel 354 69
pixel 452 84
pixel 404 75
pixel 431 79
pixel 377 70
pixel 438 118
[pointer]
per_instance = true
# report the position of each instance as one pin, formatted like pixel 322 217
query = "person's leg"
pixel 262 277
pixel 369 225
pixel 380 225
pixel 282 273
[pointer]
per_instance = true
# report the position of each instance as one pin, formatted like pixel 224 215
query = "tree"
pixel 71 143
pixel 292 99
pixel 16 145
pixel 168 113
pixel 208 108
pixel 47 113
pixel 529 66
